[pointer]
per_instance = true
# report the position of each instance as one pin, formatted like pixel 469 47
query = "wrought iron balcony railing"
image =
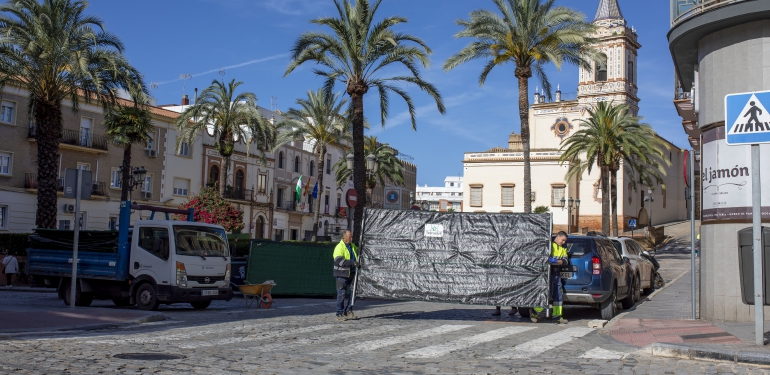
pixel 77 138
pixel 684 9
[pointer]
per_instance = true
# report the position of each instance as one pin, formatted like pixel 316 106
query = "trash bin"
pixel 746 262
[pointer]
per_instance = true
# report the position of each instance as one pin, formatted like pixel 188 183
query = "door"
pixel 260 228
pixel 85 131
pixel 614 260
pixel 150 253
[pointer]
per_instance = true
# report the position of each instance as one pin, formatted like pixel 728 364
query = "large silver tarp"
pixel 471 258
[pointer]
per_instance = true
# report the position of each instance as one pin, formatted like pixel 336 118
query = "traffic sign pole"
pixel 73 287
pixel 756 212
pixel 691 177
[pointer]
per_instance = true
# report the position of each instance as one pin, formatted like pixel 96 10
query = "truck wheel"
pixel 146 299
pixel 121 302
pixel 81 299
pixel 608 306
pixel 200 305
pixel 628 302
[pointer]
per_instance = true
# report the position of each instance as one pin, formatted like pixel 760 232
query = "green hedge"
pixel 14 243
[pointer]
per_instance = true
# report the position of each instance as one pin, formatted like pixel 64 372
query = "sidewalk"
pixel 663 324
pixel 26 313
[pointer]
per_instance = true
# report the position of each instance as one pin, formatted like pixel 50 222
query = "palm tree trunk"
pixel 223 176
pixel 523 75
pixel 126 177
pixel 359 168
pixel 614 200
pixel 47 135
pixel 317 202
pixel 605 201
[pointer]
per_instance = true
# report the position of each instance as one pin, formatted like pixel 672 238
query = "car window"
pixel 577 247
pixel 612 251
pixel 154 241
pixel 637 248
pixel 618 246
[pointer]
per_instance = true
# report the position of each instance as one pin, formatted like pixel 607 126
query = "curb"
pixel 28 290
pixel 724 355
pixel 156 317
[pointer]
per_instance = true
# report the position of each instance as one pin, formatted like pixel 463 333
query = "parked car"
pixel 597 275
pixel 643 269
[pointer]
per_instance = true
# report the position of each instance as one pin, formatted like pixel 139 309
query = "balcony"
pixel 286 205
pixel 78 140
pixel 30 183
pixel 684 9
pixel 237 194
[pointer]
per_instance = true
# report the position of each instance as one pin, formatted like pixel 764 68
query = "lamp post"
pixel 650 199
pixel 570 203
pixel 136 178
pixel 372 166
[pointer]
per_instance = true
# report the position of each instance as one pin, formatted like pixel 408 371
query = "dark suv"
pixel 597 275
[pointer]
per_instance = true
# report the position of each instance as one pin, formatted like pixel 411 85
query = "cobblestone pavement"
pixel 301 336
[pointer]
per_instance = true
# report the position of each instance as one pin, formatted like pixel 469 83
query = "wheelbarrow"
pixel 259 293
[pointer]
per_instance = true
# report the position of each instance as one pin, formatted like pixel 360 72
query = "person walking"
pixel 557 259
pixel 345 264
pixel 10 268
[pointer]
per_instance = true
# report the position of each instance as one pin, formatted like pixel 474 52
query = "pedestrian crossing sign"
pixel 747 120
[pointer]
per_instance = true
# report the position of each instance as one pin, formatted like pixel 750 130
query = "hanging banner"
pixel 471 258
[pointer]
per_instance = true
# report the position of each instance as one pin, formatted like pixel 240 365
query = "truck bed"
pixel 96 265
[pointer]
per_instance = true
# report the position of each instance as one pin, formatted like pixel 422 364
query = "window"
pixel 532 196
pixel 154 241
pixel 213 175
pixel 184 149
pixel 150 142
pixel 3 217
pixel 329 165
pixel 115 178
pixel 451 184
pixel 296 164
pixel 262 183
pixel 147 185
pixel 476 195
pixel 601 68
pixel 339 200
pixel 86 124
pixel 279 198
pixel 312 169
pixel 239 179
pixel 294 234
pixel 557 193
pixel 64 224
pixel 663 191
pixel 506 198
pixel 326 204
pixel 7 112
pixel 113 222
pixel 200 241
pixel 279 235
pixel 84 166
pixel 181 187
pixel 280 160
pixel 631 72
pixel 5 163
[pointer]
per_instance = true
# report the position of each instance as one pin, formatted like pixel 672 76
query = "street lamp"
pixel 650 199
pixel 349 160
pixel 136 177
pixel 570 203
pixel 372 166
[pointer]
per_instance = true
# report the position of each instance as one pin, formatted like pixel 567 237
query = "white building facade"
pixel 442 198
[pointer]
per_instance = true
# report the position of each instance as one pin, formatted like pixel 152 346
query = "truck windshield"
pixel 200 241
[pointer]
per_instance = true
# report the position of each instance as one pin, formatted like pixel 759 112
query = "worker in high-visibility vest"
pixel 557 259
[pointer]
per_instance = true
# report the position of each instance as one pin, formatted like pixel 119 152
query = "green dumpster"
pixel 298 269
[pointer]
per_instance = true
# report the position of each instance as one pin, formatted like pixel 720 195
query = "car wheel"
pixel 146 298
pixel 630 299
pixel 608 306
pixel 648 291
pixel 200 305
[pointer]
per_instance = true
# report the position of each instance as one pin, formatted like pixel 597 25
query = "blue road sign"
pixel 747 120
pixel 632 223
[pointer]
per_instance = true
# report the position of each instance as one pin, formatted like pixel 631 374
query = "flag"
pixel 315 190
pixel 306 188
pixel 299 188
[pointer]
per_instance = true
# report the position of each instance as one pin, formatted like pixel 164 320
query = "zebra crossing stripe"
pixel 599 353
pixel 255 337
pixel 321 339
pixel 381 343
pixel 543 344
pixel 465 342
pixel 184 334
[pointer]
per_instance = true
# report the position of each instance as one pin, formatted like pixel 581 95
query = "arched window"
pixel 214 176
pixel 239 184
pixel 280 160
pixel 630 72
pixel 296 164
pixel 312 168
pixel 600 74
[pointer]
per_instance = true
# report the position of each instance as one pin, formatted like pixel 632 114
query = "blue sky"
pixel 251 40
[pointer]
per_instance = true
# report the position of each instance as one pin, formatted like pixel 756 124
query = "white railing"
pixel 684 9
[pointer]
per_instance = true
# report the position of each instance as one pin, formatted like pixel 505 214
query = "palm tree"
pixel 389 167
pixel 127 125
pixel 357 54
pixel 227 117
pixel 56 52
pixel 529 34
pixel 322 121
pixel 610 136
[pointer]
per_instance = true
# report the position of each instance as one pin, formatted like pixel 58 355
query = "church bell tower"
pixel 613 77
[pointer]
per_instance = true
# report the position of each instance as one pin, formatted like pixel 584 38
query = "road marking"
pixel 321 339
pixel 309 304
pixel 255 337
pixel 381 343
pixel 186 333
pixel 599 353
pixel 465 342
pixel 543 344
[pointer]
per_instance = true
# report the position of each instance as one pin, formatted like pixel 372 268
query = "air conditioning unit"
pixel 152 153
pixel 146 195
pixel 69 208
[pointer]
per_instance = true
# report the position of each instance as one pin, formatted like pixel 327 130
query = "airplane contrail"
pixel 256 61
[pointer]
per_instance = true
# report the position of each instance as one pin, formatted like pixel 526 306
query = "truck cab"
pixel 178 261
